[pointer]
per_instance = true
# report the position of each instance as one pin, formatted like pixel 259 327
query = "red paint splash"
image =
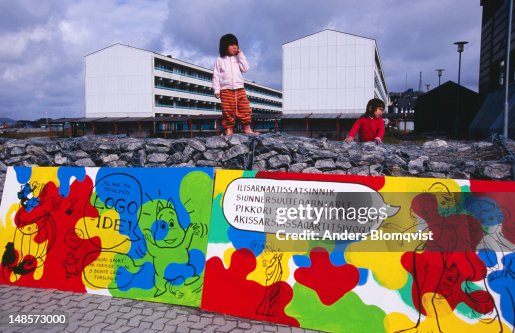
pixel 449 264
pixel 228 290
pixel 330 282
pixel 55 215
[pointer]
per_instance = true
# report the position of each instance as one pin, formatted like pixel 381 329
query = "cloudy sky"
pixel 43 43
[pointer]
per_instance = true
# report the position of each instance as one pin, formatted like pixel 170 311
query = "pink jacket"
pixel 227 73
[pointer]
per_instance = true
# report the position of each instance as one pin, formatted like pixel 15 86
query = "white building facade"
pixel 331 72
pixel 124 81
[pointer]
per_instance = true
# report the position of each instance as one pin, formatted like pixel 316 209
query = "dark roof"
pixel 174 118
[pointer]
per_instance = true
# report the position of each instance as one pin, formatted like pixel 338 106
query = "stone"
pixel 216 142
pixel 343 164
pixel 300 158
pixel 206 163
pixel 59 159
pixel 431 174
pixel 213 155
pixel 163 142
pixel 109 158
pixel 52 147
pixel 376 170
pixel 368 158
pixel 279 161
pixel 438 166
pixel 323 154
pixel 78 154
pixel 265 155
pixel 88 145
pixel 325 165
pixel 197 145
pixel 189 151
pixel 361 171
pixel 85 162
pixel 237 139
pixel 127 156
pixel 235 151
pixel 496 171
pixel 17 151
pixel 482 144
pixel 35 150
pixel 468 167
pixel 16 143
pixel 336 172
pixel 157 158
pixel 260 165
pixel 395 160
pixel 15 159
pixel 298 167
pixel 275 144
pixel 142 157
pixel 132 145
pixel 311 170
pixel 149 148
pixel 416 166
pixel 179 157
pixel 117 164
pixel 437 143
pixel 458 174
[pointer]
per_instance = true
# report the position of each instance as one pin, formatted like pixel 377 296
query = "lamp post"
pixel 507 77
pixel 439 71
pixel 461 47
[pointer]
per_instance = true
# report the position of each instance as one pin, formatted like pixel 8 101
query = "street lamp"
pixel 461 47
pixel 439 71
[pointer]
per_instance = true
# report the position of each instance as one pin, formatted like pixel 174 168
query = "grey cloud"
pixel 412 36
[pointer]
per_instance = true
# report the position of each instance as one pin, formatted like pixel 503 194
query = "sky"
pixel 43 43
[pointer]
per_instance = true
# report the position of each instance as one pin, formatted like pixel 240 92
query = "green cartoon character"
pixel 168 244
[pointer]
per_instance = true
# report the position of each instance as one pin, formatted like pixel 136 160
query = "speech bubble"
pixel 118 199
pixel 251 204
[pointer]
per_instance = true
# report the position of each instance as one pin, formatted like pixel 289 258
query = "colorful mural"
pixel 131 232
pixel 460 276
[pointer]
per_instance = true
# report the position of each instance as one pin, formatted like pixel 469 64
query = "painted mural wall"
pixel 463 280
pixel 134 232
pixel 185 236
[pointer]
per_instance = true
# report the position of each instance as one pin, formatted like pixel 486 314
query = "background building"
pixel 127 82
pixel 492 71
pixel 435 111
pixel 328 78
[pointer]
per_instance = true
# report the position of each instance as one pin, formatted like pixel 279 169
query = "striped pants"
pixel 235 104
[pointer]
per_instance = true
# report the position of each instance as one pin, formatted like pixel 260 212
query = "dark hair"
pixel 372 106
pixel 225 42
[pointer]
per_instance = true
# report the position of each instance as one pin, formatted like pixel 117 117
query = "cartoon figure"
pixel 168 244
pixel 274 273
pixel 448 265
pixel 72 238
pixel 26 196
pixel 70 265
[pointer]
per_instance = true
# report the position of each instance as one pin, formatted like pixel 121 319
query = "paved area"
pixel 93 313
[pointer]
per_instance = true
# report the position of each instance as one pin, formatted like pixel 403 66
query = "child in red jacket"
pixel 370 126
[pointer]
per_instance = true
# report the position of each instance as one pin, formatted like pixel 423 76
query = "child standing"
pixel 370 126
pixel 228 84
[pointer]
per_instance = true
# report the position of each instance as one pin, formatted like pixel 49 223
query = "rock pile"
pixel 271 152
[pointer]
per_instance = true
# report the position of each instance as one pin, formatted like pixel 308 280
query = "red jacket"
pixel 368 128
